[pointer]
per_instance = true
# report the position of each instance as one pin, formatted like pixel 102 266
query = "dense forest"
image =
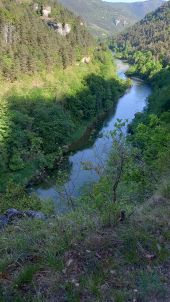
pixel 48 95
pixel 146 46
pixel 150 34
pixel 29 43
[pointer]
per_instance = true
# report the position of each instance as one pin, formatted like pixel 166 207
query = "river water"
pixel 76 178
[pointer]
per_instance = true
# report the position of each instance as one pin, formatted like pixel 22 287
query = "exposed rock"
pixel 35 7
pixel 117 21
pixel 46 11
pixel 63 29
pixel 125 23
pixel 8 32
pixel 34 214
pixel 12 214
pixel 3 221
pixel 86 60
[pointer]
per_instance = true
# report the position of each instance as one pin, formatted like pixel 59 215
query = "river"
pixel 76 178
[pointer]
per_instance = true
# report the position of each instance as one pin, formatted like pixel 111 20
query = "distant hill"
pixel 150 34
pixel 105 18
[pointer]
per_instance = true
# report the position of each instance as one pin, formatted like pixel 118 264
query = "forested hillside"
pixel 31 41
pixel 146 47
pixel 54 82
pixel 105 18
pixel 150 34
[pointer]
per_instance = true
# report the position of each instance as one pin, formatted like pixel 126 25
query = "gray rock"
pixel 34 214
pixel 13 213
pixel 3 221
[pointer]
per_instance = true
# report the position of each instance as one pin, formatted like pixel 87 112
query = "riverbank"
pixel 94 152
pixel 44 115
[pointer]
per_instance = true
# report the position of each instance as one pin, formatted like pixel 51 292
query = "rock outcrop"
pixel 117 22
pixel 46 11
pixel 8 33
pixel 86 60
pixel 14 214
pixel 62 28
pixel 35 7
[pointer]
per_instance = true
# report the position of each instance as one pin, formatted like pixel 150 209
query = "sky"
pixel 125 0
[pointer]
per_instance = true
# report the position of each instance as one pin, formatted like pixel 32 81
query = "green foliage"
pixel 79 255
pixel 25 276
pixel 38 125
pixel 48 207
pixel 16 197
pixel 151 34
pixel 145 65
pixel 159 101
pixel 149 285
pixel 153 140
pixel 145 45
pixel 29 45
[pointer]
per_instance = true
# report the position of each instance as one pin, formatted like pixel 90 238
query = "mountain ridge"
pixel 150 34
pixel 106 18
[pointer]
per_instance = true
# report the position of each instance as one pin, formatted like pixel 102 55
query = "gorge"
pixel 134 101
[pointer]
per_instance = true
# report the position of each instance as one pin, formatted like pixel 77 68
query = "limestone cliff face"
pixel 121 21
pixel 45 10
pixel 8 33
pixel 62 29
pixel 86 60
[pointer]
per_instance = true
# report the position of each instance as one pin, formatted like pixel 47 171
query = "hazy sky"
pixel 124 0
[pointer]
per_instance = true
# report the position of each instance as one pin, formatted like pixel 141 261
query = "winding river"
pixel 77 177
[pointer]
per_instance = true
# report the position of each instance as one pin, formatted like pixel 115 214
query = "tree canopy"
pixel 28 44
pixel 150 34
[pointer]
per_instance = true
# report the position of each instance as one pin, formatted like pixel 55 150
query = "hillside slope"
pixel 33 39
pixel 54 82
pixel 150 34
pixel 105 18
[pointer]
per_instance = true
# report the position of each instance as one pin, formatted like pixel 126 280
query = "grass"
pixel 25 276
pixel 78 257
